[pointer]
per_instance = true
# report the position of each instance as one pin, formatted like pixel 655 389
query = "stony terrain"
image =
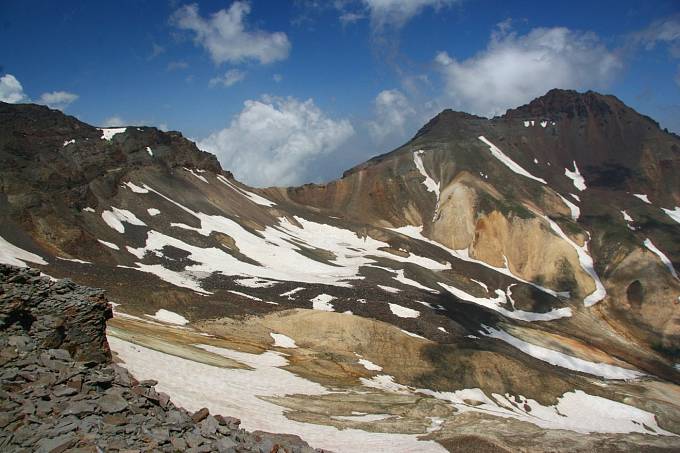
pixel 60 390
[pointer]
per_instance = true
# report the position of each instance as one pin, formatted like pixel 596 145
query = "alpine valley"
pixel 505 284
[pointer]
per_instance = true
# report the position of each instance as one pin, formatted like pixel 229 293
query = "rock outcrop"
pixel 60 390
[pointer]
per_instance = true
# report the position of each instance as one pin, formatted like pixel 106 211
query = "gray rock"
pixel 80 408
pixel 56 444
pixel 112 403
pixel 225 445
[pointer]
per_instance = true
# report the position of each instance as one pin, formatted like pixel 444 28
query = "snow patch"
pixel 148 150
pixel 109 244
pixel 673 213
pixel 282 341
pixel 642 197
pixel 575 210
pixel 403 312
pixel 511 164
pixel 255 198
pixel 169 317
pixel 73 260
pixel 288 294
pixel 664 259
pixel 153 212
pixel 388 289
pixel 195 173
pixel 322 302
pixel 115 218
pixel 135 188
pixel 68 142
pixel 429 182
pixel 109 132
pixel 255 283
pixel 576 177
pixel 563 360
pixel 15 256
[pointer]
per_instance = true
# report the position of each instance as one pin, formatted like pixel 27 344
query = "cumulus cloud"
pixel 396 13
pixel 514 69
pixel 663 31
pixel 11 90
pixel 392 111
pixel 226 37
pixel 272 141
pixel 57 99
pixel 114 121
pixel 231 77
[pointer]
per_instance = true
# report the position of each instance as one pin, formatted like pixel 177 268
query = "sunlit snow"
pixel 169 317
pixel 403 312
pixel 282 341
pixel 664 259
pixel 255 198
pixel 15 256
pixel 109 132
pixel 511 164
pixel 673 213
pixel 642 197
pixel 323 302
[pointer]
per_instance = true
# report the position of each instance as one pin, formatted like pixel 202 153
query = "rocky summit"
pixel 503 284
pixel 61 391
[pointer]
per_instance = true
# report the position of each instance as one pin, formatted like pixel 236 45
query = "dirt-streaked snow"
pixel 15 256
pixel 563 360
pixel 496 304
pixel 429 182
pixel 664 259
pixel 576 178
pixel 511 164
pixel 370 366
pixel 323 302
pixel 255 282
pixel 238 392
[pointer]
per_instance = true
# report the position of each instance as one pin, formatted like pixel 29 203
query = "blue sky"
pixel 287 92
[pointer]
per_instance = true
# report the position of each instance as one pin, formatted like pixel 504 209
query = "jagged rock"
pixel 59 393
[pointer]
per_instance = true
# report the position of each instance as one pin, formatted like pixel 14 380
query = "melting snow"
pixel 511 164
pixel 527 123
pixel 586 262
pixel 642 197
pixel 361 417
pixel 282 341
pixel 626 217
pixel 109 132
pixel 429 182
pixel 576 177
pixel 277 249
pixel 247 296
pixel 402 278
pixel 673 213
pixel 88 209
pixel 148 150
pixel 116 217
pixel 153 212
pixel 563 360
pixel 15 256
pixel 169 317
pixel 388 289
pixel 288 294
pixel 135 188
pixel 544 124
pixel 195 173
pixel 73 260
pixel 442 329
pixel 501 299
pixel 384 382
pixel 240 392
pixel 482 284
pixel 575 210
pixel 255 198
pixel 68 142
pixel 414 335
pixel 109 245
pixel 404 312
pixel 575 197
pixel 416 232
pixel 322 302
pixel 664 259
pixel 255 283
pixel 369 365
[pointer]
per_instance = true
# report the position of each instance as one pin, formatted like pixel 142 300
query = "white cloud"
pixel 114 121
pixel 347 18
pixel 664 31
pixel 231 77
pixel 57 99
pixel 392 110
pixel 225 36
pixel 273 140
pixel 397 12
pixel 514 69
pixel 11 90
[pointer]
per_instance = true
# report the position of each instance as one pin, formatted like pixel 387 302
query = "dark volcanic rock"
pixel 60 391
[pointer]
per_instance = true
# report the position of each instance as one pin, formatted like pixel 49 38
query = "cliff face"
pixel 60 389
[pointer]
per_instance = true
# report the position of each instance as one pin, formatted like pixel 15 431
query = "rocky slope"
pixel 527 259
pixel 62 392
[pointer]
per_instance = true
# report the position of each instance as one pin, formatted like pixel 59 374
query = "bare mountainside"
pixel 506 283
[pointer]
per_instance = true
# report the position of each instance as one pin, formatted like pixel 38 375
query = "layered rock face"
pixel 60 390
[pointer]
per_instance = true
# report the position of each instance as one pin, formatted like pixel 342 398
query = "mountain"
pixel 488 273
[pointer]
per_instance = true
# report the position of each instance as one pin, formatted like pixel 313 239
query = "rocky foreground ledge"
pixel 60 391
